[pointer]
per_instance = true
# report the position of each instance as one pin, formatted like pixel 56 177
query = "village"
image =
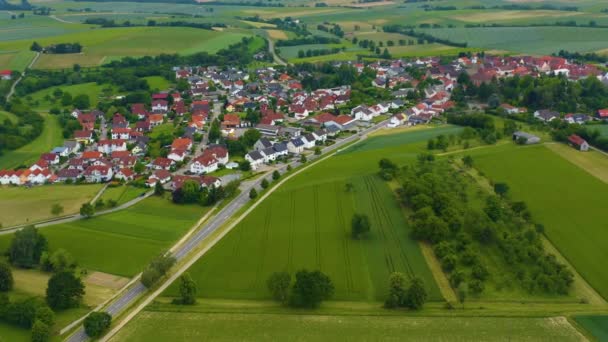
pixel 292 122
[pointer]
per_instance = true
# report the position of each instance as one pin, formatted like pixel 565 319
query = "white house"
pixel 204 164
pixel 295 146
pixel 109 146
pixel 255 158
pixel 177 155
pixel 98 173
pixel 269 154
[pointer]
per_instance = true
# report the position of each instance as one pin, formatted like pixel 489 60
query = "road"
pixel 10 93
pixel 133 293
pixel 276 57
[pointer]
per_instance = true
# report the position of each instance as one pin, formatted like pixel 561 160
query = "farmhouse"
pixel 527 137
pixel 578 142
pixel 546 115
pixel 6 75
pixel 98 173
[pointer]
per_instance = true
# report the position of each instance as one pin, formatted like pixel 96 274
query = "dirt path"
pixel 10 93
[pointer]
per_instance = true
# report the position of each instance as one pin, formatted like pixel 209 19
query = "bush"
pixel 278 284
pixel 64 291
pixel 310 289
pixel 41 332
pixel 253 194
pixel 96 323
pixel 26 247
pixel 6 277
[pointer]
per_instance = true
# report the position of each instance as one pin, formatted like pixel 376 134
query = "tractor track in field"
pixel 387 257
pixel 346 253
pixel 263 247
pixel 315 192
pixel 292 213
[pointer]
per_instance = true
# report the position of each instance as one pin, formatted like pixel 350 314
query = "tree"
pixel 501 189
pixel 302 159
pixel 56 209
pixel 317 151
pixel 462 292
pixel 276 175
pixel 251 136
pixel 87 210
pixel 493 101
pixel 82 101
pixel 158 189
pixel 36 47
pixel 149 276
pixel 264 184
pixel 348 187
pixel 187 289
pixel 6 277
pixel 310 289
pixel 244 165
pixel 61 261
pixel 253 194
pixel 45 315
pixel 360 225
pixel 41 332
pixel 467 161
pixel 27 247
pixel 96 323
pixel 278 284
pixel 64 290
pixel 66 99
pixel 396 290
pixel 416 294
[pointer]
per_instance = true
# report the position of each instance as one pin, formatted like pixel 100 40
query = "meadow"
pixel 121 243
pixel 566 199
pixel 121 194
pixel 597 326
pixel 306 224
pixel 44 99
pixel 19 205
pixel 169 326
pixel 50 137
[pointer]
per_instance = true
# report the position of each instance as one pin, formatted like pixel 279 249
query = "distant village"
pixel 293 121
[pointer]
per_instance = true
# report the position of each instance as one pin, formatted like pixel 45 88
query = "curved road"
pixel 10 93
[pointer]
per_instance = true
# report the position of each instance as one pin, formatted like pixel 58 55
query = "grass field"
pixel 158 82
pixel 21 205
pixel 539 40
pixel 50 137
pixel 93 90
pixel 562 196
pixel 6 115
pixel 121 194
pixel 306 224
pixel 603 129
pixel 597 326
pixel 102 44
pixel 121 243
pixel 154 326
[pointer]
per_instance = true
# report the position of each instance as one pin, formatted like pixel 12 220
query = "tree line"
pixel 308 40
pixel 60 48
pixel 421 35
pixel 29 125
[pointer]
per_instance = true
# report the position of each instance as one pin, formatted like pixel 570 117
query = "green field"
pixel 158 82
pixel 187 326
pixel 20 205
pixel 50 137
pixel 568 201
pixel 306 224
pixel 538 40
pixel 603 129
pixel 6 115
pixel 597 326
pixel 93 90
pixel 121 194
pixel 123 242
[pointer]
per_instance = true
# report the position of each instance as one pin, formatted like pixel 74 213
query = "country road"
pixel 192 243
pixel 275 56
pixel 10 93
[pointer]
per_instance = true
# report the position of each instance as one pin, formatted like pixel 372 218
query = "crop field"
pixel 306 224
pixel 597 326
pixel 121 243
pixel 539 40
pixel 17 60
pixel 172 326
pixel 100 44
pixel 50 137
pixel 20 205
pixel 566 199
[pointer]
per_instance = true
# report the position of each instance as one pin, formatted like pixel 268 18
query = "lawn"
pixel 306 224
pixel 20 205
pixel 121 243
pixel 597 326
pixel 105 43
pixel 603 129
pixel 158 82
pixel 50 137
pixel 186 326
pixel 566 199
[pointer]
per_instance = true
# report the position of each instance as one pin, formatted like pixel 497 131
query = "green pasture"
pixel 566 199
pixel 20 205
pixel 121 194
pixel 597 326
pixel 45 100
pixel 123 242
pixel 7 116
pixel 158 82
pixel 50 137
pixel 152 326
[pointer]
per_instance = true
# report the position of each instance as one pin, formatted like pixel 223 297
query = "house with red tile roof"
pixel 578 142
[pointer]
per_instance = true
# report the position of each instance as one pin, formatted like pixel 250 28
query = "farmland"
pixel 151 326
pixel 131 237
pixel 44 99
pixel 50 137
pixel 19 205
pixel 567 200
pixel 597 326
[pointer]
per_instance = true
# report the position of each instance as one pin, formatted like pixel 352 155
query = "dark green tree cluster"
pixel 360 226
pixel 309 289
pixel 388 169
pixel 483 125
pixel 27 247
pixel 192 192
pixel 65 290
pixel 96 323
pixel 29 313
pixel 403 293
pixel 157 269
pixel 439 195
pixel 28 126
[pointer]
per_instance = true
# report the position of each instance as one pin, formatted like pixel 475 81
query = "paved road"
pixel 10 93
pixel 275 56
pixel 129 297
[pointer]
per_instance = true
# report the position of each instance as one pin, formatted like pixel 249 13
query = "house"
pixel 159 176
pixel 602 114
pixel 204 164
pixel 125 174
pixel 218 152
pixel 363 113
pixel 397 120
pixel 91 156
pixel 160 106
pixel 182 144
pixel 546 115
pixel 309 140
pixel 61 151
pixel 161 163
pixel 280 149
pixel 231 121
pixel 84 137
pixel 39 165
pixel 51 158
pixel 261 144
pixel 155 119
pixel 98 173
pixel 578 142
pixel 68 174
pixel 177 154
pixel 320 135
pixel 269 154
pixel 577 118
pixel 37 176
pixel 255 158
pixel 10 177
pixel 268 130
pixel 528 138
pixel 6 75
pixel 72 146
pixel 295 146
pixel 143 126
pixel 109 146
pixel 121 133
pixel 509 109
